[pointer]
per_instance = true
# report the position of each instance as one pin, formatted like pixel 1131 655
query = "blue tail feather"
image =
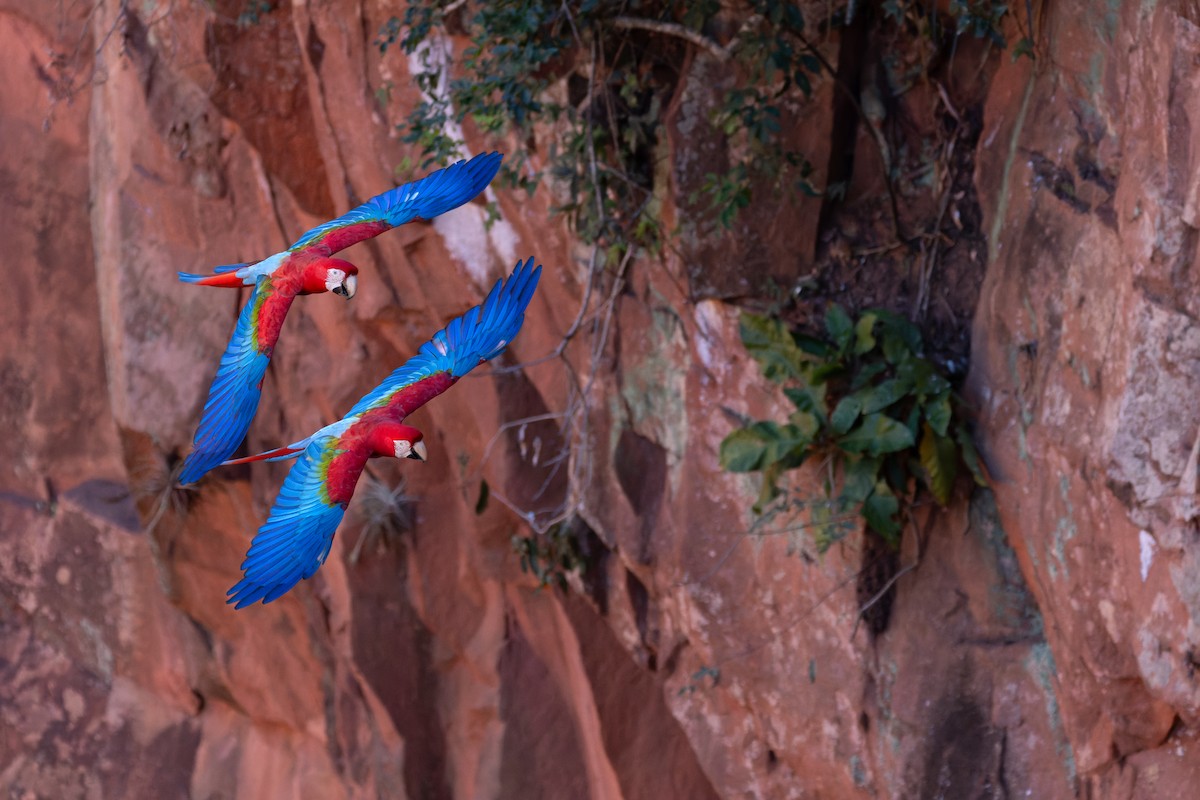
pixel 191 277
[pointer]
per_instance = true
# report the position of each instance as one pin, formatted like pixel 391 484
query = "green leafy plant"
pixel 868 405
pixel 620 65
pixel 253 11
pixel 551 556
pixel 980 18
pixel 517 51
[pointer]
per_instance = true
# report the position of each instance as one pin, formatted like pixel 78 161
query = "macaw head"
pixel 331 275
pixel 398 441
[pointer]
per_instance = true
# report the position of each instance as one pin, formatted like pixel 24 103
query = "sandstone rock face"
pixel 1087 368
pixel 1043 645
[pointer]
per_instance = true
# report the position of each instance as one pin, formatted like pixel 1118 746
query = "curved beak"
pixel 348 287
pixel 419 453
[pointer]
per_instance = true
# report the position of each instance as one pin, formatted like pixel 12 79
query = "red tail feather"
pixel 278 452
pixel 227 280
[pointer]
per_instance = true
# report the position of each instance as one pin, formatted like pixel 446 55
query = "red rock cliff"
pixel 1045 645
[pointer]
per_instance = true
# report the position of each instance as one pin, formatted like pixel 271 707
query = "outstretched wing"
pixel 434 194
pixel 295 540
pixel 235 392
pixel 480 334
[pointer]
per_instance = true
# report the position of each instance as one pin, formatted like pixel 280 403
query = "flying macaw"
pixel 295 540
pixel 306 268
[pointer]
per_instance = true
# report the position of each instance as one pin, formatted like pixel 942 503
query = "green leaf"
pixel 786 443
pixel 845 414
pixel 770 488
pixel 880 511
pixel 866 374
pixel 895 349
pixel 936 384
pixel 877 398
pixel 895 325
pixel 876 435
pixel 922 376
pixel 767 443
pixel 803 82
pixel 817 374
pixel 839 327
pixel 939 457
pixel 810 399
pixel 913 421
pixel 805 422
pixel 814 346
pixel 859 477
pixel 742 451
pixel 1023 47
pixel 900 337
pixel 970 455
pixel 864 338
pixel 829 525
pixel 771 344
pixel 807 189
pixel 937 412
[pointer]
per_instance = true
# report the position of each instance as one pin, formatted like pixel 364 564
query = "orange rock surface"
pixel 1045 646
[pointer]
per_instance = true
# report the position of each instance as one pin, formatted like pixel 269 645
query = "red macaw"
pixel 306 268
pixel 295 540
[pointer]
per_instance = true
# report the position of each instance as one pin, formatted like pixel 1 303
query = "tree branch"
pixel 676 30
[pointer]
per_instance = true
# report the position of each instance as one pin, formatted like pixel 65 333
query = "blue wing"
pixel 480 334
pixel 428 197
pixel 295 540
pixel 234 395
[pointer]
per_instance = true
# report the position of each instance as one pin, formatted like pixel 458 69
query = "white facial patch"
pixel 407 449
pixel 334 278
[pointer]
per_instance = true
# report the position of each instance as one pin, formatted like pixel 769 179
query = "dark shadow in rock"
pixel 107 500
pixel 542 756
pixel 641 467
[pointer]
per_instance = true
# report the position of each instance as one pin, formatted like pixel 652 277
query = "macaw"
pixel 306 268
pixel 295 540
